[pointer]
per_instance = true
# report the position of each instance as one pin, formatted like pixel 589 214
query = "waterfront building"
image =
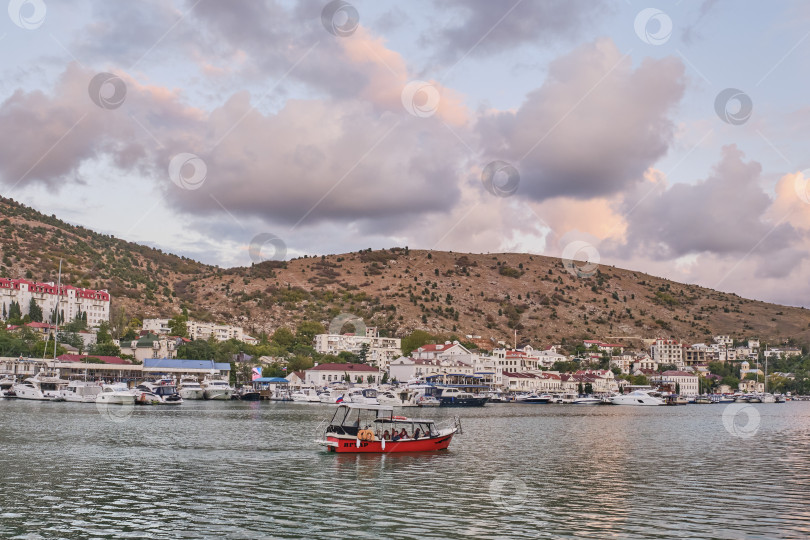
pixel 749 386
pixel 404 369
pixel 431 351
pixel 151 346
pixel 67 301
pixel 687 382
pixel 667 351
pixel 380 350
pixel 325 374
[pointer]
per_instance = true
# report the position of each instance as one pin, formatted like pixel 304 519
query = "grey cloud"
pixel 594 126
pixel 722 214
pixel 483 27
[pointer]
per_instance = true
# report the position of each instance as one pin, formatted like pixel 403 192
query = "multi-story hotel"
pixel 71 300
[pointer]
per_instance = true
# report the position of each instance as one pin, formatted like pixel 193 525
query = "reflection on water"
pixel 249 470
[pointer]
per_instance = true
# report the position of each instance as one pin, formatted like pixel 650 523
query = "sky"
pixel 665 137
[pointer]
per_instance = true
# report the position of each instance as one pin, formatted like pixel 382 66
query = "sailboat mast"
pixel 58 302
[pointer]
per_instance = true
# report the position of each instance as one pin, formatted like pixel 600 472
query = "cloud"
pixel 723 214
pixel 484 27
pixel 593 128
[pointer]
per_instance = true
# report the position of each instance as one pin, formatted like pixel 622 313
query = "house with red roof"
pixel 325 374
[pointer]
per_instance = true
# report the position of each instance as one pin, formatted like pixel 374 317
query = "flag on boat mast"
pixel 257 373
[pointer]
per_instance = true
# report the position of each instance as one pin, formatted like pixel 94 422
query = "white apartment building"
pixel 156 326
pixel 667 351
pixel 381 350
pixel 221 332
pixel 724 341
pixel 404 369
pixel 67 300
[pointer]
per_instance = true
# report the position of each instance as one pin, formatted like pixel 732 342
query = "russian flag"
pixel 339 399
pixel 257 373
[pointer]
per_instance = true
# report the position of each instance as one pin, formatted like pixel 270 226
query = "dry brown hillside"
pixel 398 290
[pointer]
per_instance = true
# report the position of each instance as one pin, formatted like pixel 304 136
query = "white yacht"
pixel 115 394
pixel 637 397
pixel 81 392
pixel 562 398
pixel 587 401
pixel 216 387
pixel 389 398
pixel 306 395
pixel 6 387
pixel 364 396
pixel 40 387
pixel 330 397
pixel 190 388
pixel 150 393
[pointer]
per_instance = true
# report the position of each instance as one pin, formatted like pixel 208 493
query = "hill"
pixel 399 290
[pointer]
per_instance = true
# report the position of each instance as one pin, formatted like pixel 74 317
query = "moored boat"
pixel 587 400
pixel 216 387
pixel 360 428
pixel 637 397
pixel 150 393
pixel 456 397
pixel 190 388
pixel 534 398
pixel 115 394
pixel 81 392
pixel 40 387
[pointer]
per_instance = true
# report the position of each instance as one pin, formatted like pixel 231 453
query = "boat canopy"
pixel 274 380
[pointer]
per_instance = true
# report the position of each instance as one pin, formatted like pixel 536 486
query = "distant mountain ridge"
pixel 398 290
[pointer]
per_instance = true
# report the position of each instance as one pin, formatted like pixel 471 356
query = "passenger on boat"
pixel 416 433
pixel 403 434
pixel 386 435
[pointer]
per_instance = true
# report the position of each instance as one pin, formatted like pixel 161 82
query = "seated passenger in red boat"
pixel 403 434
pixel 417 433
pixel 386 435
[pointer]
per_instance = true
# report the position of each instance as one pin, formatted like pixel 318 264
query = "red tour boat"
pixel 357 427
